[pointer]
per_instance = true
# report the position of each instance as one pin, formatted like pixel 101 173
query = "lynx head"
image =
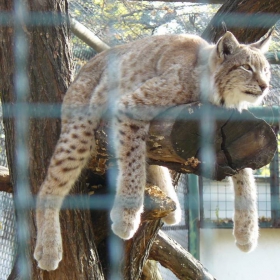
pixel 241 72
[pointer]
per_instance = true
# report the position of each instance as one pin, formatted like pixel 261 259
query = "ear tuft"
pixel 227 45
pixel 263 44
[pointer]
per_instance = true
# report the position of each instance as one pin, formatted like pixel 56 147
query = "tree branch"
pixel 87 36
pixel 173 256
pixel 248 20
pixel 150 271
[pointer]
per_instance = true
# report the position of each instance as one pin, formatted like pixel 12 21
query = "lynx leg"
pixel 131 154
pixel 246 229
pixel 70 156
pixel 160 176
pixel 134 111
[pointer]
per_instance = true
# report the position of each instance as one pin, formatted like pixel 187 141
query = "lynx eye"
pixel 247 67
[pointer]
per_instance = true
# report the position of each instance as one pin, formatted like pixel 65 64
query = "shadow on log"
pixel 240 140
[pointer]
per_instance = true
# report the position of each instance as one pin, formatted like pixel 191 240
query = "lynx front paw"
pixel 125 221
pixel 48 253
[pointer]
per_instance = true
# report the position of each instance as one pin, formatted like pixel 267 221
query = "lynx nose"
pixel 263 87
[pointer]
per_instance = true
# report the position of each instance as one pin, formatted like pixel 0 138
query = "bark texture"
pixel 173 256
pixel 150 271
pixel 50 72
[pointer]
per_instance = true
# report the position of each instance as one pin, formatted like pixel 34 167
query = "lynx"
pixel 134 83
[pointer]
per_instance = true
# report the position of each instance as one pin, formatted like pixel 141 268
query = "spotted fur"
pixel 133 83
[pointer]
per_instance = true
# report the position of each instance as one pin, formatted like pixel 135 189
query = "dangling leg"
pixel 246 230
pixel 160 176
pixel 131 155
pixel 142 104
pixel 70 156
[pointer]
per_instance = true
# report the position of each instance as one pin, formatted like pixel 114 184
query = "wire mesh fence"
pixel 8 247
pixel 216 209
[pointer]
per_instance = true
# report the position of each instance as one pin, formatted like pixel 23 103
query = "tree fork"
pixel 173 256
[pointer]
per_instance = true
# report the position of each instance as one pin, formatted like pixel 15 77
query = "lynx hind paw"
pixel 249 247
pixel 125 221
pixel 48 257
pixel 174 217
pixel 247 242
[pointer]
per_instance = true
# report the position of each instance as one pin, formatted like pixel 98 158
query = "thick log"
pixel 173 256
pixel 240 140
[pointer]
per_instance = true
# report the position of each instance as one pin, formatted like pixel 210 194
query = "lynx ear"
pixel 263 44
pixel 227 45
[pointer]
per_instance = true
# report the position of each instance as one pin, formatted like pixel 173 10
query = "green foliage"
pixel 117 22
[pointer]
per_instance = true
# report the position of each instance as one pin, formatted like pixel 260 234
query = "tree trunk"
pixel 248 20
pixel 49 71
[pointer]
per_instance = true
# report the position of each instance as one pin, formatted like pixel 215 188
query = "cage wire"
pixel 218 202
pixel 8 248
pixel 217 197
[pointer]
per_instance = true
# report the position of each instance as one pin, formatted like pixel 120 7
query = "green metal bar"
pixel 194 218
pixel 270 114
pixel 274 190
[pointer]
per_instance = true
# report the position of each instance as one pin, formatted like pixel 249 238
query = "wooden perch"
pixel 173 256
pixel 240 140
